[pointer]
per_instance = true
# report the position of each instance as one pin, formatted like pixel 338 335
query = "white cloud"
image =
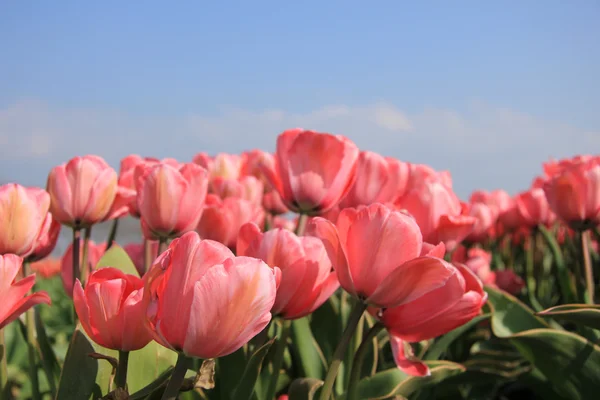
pixel 483 146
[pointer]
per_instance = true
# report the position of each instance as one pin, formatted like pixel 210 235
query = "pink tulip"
pixel 553 167
pixel 283 223
pixel 46 240
pixel 222 165
pixel 13 299
pixel 95 252
pixel 420 173
pixel 248 188
pixel 23 212
pixel 82 191
pixel 376 254
pixel 306 277
pixel 205 302
pixel 222 219
pixel 273 204
pixel 485 217
pixel 170 200
pixel 574 194
pixel 432 315
pixel 111 310
pixel 533 207
pixel 48 268
pixel 438 212
pixel 478 261
pixel 510 282
pixel 313 171
pixel 135 251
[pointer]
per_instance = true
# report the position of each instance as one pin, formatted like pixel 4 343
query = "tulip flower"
pixel 23 212
pixel 13 299
pixel 46 240
pixel 82 191
pixel 376 253
pixel 306 277
pixel 203 301
pixel 136 251
pixel 533 207
pixel 222 165
pixel 222 219
pixel 248 188
pixel 313 171
pixel 47 268
pixel 485 217
pixel 510 282
pixel 111 311
pixel 95 252
pixel 478 261
pixel 170 200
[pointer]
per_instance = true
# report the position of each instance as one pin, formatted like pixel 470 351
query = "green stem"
pixel 31 344
pixel 85 267
pixel 358 359
pixel 112 234
pixel 121 378
pixel 302 220
pixel 148 259
pixel 587 263
pixel 278 357
pixel 177 377
pixel 354 345
pixel 338 355
pixel 564 279
pixel 3 363
pixel 162 246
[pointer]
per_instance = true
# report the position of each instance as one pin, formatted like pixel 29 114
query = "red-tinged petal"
pixel 438 251
pixel 134 334
pixel 452 230
pixel 327 232
pixel 248 240
pixel 412 280
pixel 405 360
pixel 328 287
pixel 61 195
pixel 102 195
pixel 230 306
pixel 191 203
pixel 104 302
pixel 82 309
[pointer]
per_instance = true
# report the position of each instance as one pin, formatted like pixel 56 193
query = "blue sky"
pixel 487 90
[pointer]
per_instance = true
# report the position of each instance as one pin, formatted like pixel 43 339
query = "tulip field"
pixel 319 271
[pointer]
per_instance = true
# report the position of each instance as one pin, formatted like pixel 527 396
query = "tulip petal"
pixel 405 360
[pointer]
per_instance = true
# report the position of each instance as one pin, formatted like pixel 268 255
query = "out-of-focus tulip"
pixel 485 216
pixel 222 219
pixel 478 261
pixel 205 302
pixel 170 200
pixel 574 194
pixel 95 252
pixel 376 254
pixel 222 165
pixel 533 207
pixel 82 191
pixel 510 282
pixel 47 268
pixel 135 251
pixel 420 173
pixel 273 204
pixel 283 223
pixel 377 181
pixel 432 315
pixel 313 171
pixel 13 299
pixel 438 213
pixel 111 310
pixel 23 212
pixel 306 277
pixel 248 188
pixel 556 167
pixel 46 240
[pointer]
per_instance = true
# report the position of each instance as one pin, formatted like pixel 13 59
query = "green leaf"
pixel 438 348
pixel 229 371
pixel 306 350
pixel 245 387
pixel 79 372
pixel 325 326
pixel 394 382
pixel 159 384
pixel 584 314
pixel 304 388
pixel 116 257
pixel 562 272
pixel 509 315
pixel 48 358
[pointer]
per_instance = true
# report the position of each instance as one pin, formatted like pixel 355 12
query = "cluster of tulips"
pixel 240 252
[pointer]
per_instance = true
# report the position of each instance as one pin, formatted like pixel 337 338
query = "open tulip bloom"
pixel 319 271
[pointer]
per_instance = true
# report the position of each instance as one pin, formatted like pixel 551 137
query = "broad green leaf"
pixel 79 372
pixel 570 362
pixel 509 315
pixel 304 388
pixel 306 350
pixel 394 382
pixel 118 258
pixel 245 386
pixel 325 326
pixel 159 384
pixel 584 314
pixel 229 372
pixel 48 358
pixel 438 348
pixel 562 272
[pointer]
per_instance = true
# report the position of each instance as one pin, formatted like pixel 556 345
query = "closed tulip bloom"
pixel 313 171
pixel 111 311
pixel 82 191
pixel 306 277
pixel 222 219
pixel 420 173
pixel 556 167
pixel 478 261
pixel 22 212
pixel 376 253
pixel 170 200
pixel 485 217
pixel 248 188
pixel 574 194
pixel 438 212
pixel 13 299
pixel 203 301
pixel 533 207
pixel 432 315
pixel 95 252
pixel 46 240
pixel 222 165
pixel 46 268
pixel 135 251
pixel 273 204
pixel 510 282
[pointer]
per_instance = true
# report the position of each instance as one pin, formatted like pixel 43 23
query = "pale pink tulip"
pixel 46 240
